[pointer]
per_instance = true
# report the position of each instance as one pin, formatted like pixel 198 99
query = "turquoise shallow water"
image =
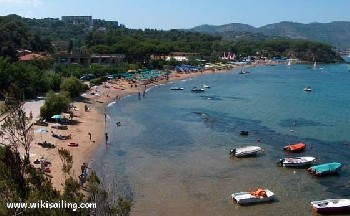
pixel 171 153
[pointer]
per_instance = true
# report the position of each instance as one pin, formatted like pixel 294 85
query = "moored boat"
pixel 331 205
pixel 206 86
pixel 195 89
pixel 298 147
pixel 296 161
pixel 257 196
pixel 176 88
pixel 244 133
pixel 325 169
pixel 307 89
pixel 245 151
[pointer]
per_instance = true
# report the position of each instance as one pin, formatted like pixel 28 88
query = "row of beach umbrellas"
pixel 41 131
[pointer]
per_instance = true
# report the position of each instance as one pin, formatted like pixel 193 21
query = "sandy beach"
pixel 92 121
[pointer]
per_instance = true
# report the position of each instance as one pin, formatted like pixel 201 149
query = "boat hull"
pixel 297 161
pixel 177 89
pixel 325 169
pixel 247 151
pixel 246 197
pixel 331 206
pixel 197 90
pixel 299 147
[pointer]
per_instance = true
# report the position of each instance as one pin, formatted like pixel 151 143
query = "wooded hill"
pixel 36 34
pixel 334 33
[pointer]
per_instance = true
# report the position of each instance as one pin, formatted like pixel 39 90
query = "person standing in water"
pixel 106 136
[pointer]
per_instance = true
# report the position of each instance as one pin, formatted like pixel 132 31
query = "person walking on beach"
pixel 144 94
pixel 106 136
pixel 81 180
pixel 83 168
pixel 89 136
pixel 139 95
pixel 42 165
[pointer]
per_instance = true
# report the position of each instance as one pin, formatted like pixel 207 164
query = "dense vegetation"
pixel 14 35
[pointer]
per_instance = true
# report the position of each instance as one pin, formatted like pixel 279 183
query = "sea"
pixel 170 155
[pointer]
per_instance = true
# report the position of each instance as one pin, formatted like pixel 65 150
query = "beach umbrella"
pixel 41 131
pixel 56 117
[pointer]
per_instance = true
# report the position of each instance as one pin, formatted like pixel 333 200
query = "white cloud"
pixel 26 2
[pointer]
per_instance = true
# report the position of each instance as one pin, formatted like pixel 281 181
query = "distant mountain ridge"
pixel 336 33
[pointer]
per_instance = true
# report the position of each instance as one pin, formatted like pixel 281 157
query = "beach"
pixel 92 121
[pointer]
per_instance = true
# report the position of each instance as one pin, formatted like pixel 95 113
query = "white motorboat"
pixel 331 205
pixel 296 161
pixel 176 88
pixel 206 86
pixel 195 89
pixel 245 151
pixel 307 89
pixel 257 196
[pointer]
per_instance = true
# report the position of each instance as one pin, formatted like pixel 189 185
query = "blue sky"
pixel 168 14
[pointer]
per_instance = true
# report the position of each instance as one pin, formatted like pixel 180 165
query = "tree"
pixel 106 204
pixel 18 128
pixel 54 104
pixel 73 86
pixel 17 125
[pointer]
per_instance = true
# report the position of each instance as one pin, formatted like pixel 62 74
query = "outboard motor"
pixel 281 162
pixel 232 151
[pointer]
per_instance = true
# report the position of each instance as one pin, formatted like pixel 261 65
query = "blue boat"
pixel 325 169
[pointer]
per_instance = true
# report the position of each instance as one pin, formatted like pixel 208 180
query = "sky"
pixel 180 14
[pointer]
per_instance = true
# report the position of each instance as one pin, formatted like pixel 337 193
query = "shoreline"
pixel 93 122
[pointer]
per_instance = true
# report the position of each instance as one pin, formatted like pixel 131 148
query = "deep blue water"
pixel 171 153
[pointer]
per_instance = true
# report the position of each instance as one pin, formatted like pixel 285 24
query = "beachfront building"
pixel 85 59
pixel 87 20
pixel 178 56
pixel 25 55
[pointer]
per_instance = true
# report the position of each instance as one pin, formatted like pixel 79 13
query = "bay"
pixel 170 154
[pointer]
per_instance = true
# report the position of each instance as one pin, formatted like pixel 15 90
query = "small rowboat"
pixel 257 196
pixel 72 144
pixel 325 169
pixel 331 206
pixel 296 162
pixel 295 147
pixel 245 151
